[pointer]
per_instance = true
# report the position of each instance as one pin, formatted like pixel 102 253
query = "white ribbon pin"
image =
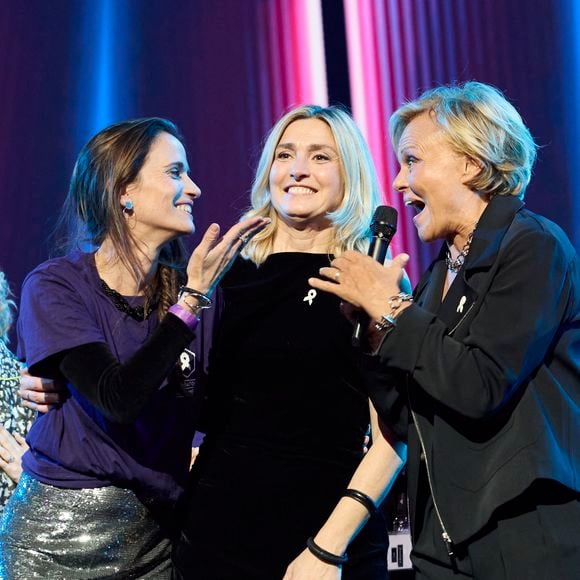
pixel 461 304
pixel 184 361
pixel 310 296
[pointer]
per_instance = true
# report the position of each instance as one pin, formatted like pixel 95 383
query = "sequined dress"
pixel 13 416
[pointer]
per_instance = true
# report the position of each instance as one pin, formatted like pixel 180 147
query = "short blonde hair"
pixel 482 124
pixel 361 187
pixel 7 307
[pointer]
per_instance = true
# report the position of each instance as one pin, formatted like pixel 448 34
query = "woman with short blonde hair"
pixel 478 121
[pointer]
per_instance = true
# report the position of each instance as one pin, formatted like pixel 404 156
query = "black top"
pixel 286 424
pixel 282 363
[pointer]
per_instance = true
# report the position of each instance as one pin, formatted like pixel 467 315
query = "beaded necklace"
pixel 120 302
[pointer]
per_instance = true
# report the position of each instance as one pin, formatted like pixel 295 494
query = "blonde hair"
pixel 361 187
pixel 7 307
pixel 479 122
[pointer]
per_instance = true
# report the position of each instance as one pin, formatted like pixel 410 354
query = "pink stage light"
pixel 375 45
pixel 293 54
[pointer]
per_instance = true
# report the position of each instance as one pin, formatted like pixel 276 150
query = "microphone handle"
pixel 378 248
pixel 377 251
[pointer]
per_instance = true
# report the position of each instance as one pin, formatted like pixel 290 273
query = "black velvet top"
pixel 282 370
pixel 286 426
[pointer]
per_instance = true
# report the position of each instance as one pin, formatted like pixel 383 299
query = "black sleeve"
pixel 121 391
pixel 525 307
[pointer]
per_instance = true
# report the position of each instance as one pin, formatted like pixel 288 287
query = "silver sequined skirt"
pixel 50 532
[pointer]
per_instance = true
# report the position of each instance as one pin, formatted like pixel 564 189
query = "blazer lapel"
pixel 459 300
pixel 491 229
pixel 462 295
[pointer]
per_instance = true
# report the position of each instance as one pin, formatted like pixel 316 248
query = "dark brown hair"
pixel 92 212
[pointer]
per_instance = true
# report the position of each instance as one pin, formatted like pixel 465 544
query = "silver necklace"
pixel 455 265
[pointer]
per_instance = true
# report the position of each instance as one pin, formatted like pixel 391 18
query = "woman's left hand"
pixel 362 281
pixel 12 448
pixel 309 567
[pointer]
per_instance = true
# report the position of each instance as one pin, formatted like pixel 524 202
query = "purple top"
pixel 75 445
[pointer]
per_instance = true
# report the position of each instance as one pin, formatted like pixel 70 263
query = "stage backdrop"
pixel 224 70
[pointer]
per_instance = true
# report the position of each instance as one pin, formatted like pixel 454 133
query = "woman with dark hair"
pixel 105 468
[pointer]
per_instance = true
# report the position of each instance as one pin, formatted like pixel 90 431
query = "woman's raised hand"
pixel 214 255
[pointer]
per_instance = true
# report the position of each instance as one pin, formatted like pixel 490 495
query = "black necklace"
pixel 136 312
pixel 455 265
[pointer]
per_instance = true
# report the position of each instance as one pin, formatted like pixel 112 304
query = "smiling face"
pixel 163 194
pixel 305 177
pixel 432 179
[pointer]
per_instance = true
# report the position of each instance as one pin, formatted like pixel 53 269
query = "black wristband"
pixel 362 498
pixel 326 557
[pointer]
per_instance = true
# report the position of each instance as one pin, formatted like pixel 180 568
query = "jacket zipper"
pixel 445 535
pixel 461 320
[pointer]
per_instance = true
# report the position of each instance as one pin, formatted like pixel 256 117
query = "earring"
pixel 128 209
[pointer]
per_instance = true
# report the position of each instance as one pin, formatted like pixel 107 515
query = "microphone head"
pixel 384 224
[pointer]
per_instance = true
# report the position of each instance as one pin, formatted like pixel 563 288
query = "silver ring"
pixel 243 239
pixel 10 459
pixel 336 276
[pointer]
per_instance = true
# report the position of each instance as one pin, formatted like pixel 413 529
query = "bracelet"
pixel 195 309
pixel 326 557
pixel 203 299
pixel 389 321
pixel 188 317
pixel 362 498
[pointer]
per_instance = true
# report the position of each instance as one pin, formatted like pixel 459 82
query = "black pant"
pixel 534 537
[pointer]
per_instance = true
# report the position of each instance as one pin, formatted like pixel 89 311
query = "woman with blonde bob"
pixel 286 414
pixel 478 370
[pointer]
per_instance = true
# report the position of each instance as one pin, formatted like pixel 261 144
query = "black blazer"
pixel 491 373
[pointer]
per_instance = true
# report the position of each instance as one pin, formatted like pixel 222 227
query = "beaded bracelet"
pixel 324 556
pixel 362 498
pixel 389 321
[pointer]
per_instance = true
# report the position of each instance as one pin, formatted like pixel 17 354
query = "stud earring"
pixel 128 209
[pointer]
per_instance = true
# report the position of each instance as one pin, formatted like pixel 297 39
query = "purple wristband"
pixel 188 317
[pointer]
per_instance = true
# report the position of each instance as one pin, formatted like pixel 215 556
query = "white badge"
pixel 310 296
pixel 187 362
pixel 461 304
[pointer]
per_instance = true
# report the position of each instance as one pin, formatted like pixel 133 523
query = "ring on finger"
pixel 243 239
pixel 337 276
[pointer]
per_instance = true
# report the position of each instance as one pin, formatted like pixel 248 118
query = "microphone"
pixel 383 228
